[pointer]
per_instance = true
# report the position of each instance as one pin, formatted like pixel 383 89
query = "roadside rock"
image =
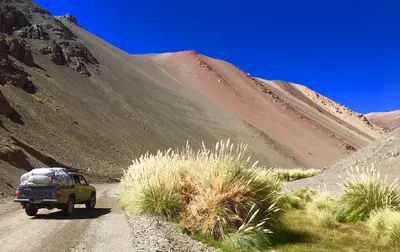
pixel 152 234
pixel 11 19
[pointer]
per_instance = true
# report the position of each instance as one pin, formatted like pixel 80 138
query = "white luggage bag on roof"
pixel 46 176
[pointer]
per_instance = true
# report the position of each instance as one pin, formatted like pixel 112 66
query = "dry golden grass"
pixel 218 192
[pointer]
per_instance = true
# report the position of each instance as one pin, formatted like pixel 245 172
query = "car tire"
pixel 31 210
pixel 90 204
pixel 68 210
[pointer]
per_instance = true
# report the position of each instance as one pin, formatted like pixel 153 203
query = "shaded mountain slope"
pixel 387 120
pixel 70 99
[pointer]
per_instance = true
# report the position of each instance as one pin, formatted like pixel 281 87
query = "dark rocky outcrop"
pixel 14 75
pixel 12 19
pixel 8 111
pixel 35 31
pixel 80 67
pixel 10 73
pixel 70 53
pixel 55 52
pixel 71 18
pixel 62 31
pixel 18 49
pixel 73 49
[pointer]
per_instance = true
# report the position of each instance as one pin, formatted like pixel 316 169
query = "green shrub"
pixel 294 174
pixel 217 192
pixel 321 210
pixel 297 198
pixel 364 192
pixel 385 225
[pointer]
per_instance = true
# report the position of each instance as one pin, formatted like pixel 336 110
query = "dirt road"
pixel 105 228
pixel 102 229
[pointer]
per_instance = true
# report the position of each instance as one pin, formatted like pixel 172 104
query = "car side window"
pixel 76 179
pixel 83 180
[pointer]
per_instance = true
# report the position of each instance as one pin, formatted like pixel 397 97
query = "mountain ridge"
pixel 85 104
pixel 388 120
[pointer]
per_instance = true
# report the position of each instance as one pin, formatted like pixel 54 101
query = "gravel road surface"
pixel 105 228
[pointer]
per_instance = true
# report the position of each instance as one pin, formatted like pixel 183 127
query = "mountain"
pixel 70 99
pixel 387 120
pixel 383 155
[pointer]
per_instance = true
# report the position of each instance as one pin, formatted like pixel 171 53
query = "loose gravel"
pixel 152 234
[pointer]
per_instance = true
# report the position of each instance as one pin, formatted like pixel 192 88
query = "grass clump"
pixel 294 174
pixel 296 199
pixel 385 225
pixel 216 192
pixel 364 192
pixel 322 210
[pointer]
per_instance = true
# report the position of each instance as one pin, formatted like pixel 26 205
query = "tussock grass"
pixel 385 225
pixel 303 234
pixel 297 198
pixel 365 191
pixel 294 174
pixel 322 210
pixel 217 192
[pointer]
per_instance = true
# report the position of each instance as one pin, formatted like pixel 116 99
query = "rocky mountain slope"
pixel 387 120
pixel 68 98
pixel 383 154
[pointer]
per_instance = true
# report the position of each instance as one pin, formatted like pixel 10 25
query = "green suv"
pixel 32 198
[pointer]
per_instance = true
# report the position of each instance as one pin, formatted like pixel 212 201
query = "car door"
pixel 78 188
pixel 86 192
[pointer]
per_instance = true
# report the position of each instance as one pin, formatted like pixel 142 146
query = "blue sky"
pixel 346 50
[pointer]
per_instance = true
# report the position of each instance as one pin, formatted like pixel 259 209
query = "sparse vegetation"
pixel 321 210
pixel 218 193
pixel 385 225
pixel 221 198
pixel 364 192
pixel 294 174
pixel 297 199
pixel 300 233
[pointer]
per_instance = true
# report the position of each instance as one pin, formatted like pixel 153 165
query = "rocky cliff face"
pixel 30 23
